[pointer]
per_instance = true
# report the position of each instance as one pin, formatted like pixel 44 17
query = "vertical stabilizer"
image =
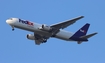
pixel 82 31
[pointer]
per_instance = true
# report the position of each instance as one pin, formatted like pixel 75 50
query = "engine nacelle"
pixel 30 36
pixel 45 28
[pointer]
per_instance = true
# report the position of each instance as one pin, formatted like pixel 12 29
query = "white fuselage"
pixel 14 22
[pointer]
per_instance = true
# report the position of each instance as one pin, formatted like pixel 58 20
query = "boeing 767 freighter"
pixel 42 32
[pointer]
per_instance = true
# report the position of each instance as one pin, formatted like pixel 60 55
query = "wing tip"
pixel 96 33
pixel 82 16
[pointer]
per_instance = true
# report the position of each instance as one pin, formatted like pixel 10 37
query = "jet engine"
pixel 45 28
pixel 30 36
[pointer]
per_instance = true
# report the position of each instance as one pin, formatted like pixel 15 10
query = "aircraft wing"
pixel 65 24
pixel 40 39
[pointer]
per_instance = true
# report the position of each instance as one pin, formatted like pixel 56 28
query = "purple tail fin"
pixel 82 31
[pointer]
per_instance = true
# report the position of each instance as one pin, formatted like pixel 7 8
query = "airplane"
pixel 42 32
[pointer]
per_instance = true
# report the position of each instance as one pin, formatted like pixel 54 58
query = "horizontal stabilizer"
pixel 88 36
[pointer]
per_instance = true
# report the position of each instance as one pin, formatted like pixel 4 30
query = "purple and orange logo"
pixel 26 22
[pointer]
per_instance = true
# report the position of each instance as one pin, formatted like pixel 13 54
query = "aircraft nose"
pixel 11 21
pixel 8 21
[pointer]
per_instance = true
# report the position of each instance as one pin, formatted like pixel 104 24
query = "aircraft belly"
pixel 64 35
pixel 28 28
pixel 33 29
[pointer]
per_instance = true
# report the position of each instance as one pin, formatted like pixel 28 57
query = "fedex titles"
pixel 26 22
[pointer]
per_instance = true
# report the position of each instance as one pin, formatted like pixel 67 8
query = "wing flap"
pixel 37 42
